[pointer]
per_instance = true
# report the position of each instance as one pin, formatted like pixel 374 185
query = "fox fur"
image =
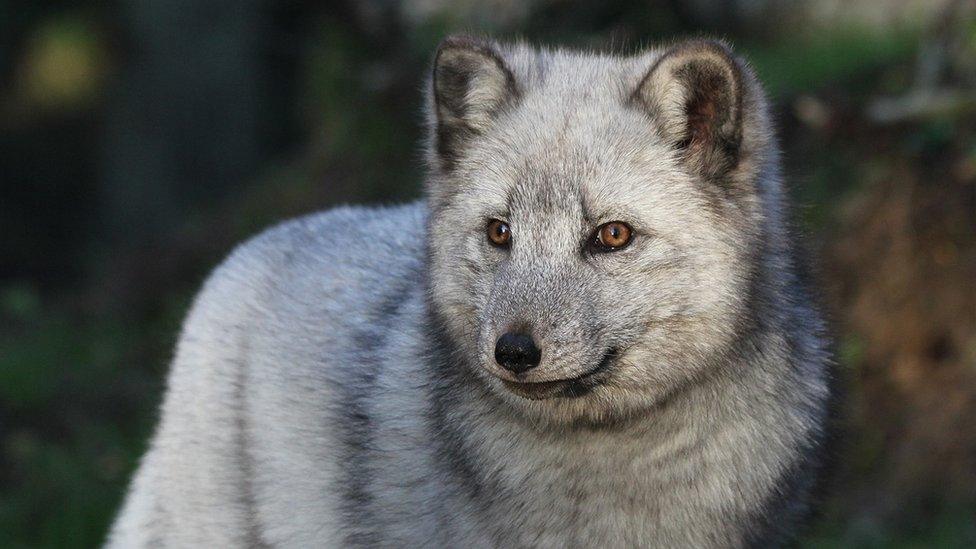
pixel 335 383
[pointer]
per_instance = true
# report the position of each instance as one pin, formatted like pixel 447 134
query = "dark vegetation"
pixel 140 141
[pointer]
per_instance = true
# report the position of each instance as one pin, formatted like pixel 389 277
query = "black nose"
pixel 517 352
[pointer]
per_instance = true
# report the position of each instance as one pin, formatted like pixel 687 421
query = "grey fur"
pixel 335 384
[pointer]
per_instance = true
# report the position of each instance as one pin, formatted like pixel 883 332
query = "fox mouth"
pixel 566 388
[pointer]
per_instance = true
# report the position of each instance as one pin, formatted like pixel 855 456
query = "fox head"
pixel 595 220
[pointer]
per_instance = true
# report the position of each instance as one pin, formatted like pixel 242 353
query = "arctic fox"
pixel 589 333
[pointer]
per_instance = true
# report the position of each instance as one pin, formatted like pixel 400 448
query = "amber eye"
pixel 498 233
pixel 612 236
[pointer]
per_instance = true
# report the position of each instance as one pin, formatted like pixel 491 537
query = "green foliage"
pixel 951 528
pixel 809 61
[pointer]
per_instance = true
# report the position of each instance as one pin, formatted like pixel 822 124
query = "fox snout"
pixel 570 368
pixel 538 325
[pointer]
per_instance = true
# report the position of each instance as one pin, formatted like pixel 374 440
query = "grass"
pixel 76 405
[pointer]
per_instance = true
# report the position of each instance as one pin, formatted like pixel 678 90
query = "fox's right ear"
pixel 471 85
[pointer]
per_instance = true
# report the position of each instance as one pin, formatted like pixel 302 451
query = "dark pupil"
pixel 500 230
pixel 614 232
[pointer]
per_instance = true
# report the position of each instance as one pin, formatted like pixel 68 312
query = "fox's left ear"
pixel 471 86
pixel 694 96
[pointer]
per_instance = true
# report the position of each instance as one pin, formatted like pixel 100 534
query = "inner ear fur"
pixel 693 95
pixel 471 86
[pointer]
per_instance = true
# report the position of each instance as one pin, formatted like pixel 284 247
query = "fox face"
pixel 594 220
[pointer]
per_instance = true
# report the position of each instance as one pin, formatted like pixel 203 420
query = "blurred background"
pixel 140 140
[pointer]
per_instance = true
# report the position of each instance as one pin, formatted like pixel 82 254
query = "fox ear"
pixel 693 94
pixel 471 85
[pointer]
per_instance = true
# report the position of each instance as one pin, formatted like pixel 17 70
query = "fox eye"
pixel 499 233
pixel 611 236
